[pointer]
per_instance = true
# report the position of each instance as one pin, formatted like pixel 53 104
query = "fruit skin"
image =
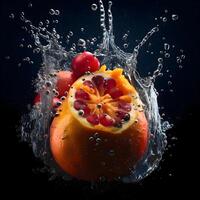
pixel 84 158
pixel 64 81
pixel 84 62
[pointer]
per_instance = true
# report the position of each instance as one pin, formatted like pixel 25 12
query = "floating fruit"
pixel 64 80
pixel 101 130
pixel 85 62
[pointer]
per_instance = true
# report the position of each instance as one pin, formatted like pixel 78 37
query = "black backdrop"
pixel 178 170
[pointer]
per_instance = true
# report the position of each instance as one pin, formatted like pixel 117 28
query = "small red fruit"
pixel 64 81
pixel 84 62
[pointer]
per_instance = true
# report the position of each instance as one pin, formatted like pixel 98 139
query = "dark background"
pixel 178 171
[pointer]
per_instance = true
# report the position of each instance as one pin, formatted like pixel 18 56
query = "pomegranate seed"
pixel 109 84
pixel 124 106
pixel 121 114
pixel 81 94
pixel 106 120
pixel 86 111
pixel 88 83
pixel 115 93
pixel 93 119
pixel 79 105
pixel 98 81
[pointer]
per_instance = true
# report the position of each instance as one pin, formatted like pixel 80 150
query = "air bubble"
pixel 57 12
pixel 71 33
pixel 169 83
pixel 180 66
pixel 30 5
pixel 81 43
pixel 52 12
pixel 178 59
pixel 91 138
pixel 164 19
pixel 94 39
pixel 183 57
pixel 166 46
pixel 160 60
pixel 174 17
pixel 7 57
pixel 125 36
pixel 111 153
pixel 125 45
pixel 94 7
pixel 167 55
pixel 82 29
pixel 11 16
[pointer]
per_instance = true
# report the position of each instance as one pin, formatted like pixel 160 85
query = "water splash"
pixel 35 125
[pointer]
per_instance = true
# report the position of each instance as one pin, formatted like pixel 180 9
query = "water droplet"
pixel 37 50
pixel 182 56
pixel 11 16
pixel 169 83
pixel 166 11
pixel 160 60
pixel 94 7
pixel 171 90
pixel 98 140
pixel 57 12
pixel 178 59
pixel 111 152
pixel 30 5
pixel 48 83
pixel 81 43
pixel 174 17
pixel 156 18
pixel 52 12
pixel 21 45
pixel 94 39
pixel 167 55
pixel 125 36
pixel 71 33
pixel 125 45
pixel 164 19
pixel 166 46
pixel 82 29
pixel 26 59
pixel 7 57
pixel 55 21
pixel 180 66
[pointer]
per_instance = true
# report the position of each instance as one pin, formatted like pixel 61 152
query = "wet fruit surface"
pixel 85 62
pixel 102 130
pixel 64 80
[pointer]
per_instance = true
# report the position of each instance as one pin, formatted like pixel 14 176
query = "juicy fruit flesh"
pixel 99 102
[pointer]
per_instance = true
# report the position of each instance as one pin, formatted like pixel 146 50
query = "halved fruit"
pixel 101 130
